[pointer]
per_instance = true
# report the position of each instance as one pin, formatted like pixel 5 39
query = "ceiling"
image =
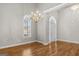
pixel 44 6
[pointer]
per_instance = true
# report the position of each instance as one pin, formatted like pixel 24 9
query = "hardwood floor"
pixel 37 49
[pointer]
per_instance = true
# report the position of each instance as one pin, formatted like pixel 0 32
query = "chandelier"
pixel 36 16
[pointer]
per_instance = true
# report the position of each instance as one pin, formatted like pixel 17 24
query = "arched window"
pixel 52 28
pixel 27 26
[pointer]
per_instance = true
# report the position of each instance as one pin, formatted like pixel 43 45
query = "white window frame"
pixel 26 22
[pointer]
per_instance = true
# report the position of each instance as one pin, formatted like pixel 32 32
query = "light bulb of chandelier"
pixel 32 13
pixel 37 12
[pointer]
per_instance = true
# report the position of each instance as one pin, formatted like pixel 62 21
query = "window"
pixel 27 26
pixel 52 28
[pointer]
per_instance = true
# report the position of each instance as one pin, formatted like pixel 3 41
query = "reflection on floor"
pixel 37 49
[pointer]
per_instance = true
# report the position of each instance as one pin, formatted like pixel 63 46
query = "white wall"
pixel 54 25
pixel 27 9
pixel 43 27
pixel 68 28
pixel 67 25
pixel 11 24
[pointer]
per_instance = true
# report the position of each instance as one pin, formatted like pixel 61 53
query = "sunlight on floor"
pixel 27 52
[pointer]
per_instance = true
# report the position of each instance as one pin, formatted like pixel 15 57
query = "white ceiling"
pixel 42 7
pixel 45 6
pixel 29 7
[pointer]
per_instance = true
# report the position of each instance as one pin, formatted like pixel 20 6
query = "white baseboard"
pixel 44 43
pixel 13 45
pixel 69 41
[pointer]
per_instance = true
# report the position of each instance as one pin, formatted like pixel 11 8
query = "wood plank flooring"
pixel 37 49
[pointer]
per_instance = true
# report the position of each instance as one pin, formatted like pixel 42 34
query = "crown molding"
pixel 58 7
